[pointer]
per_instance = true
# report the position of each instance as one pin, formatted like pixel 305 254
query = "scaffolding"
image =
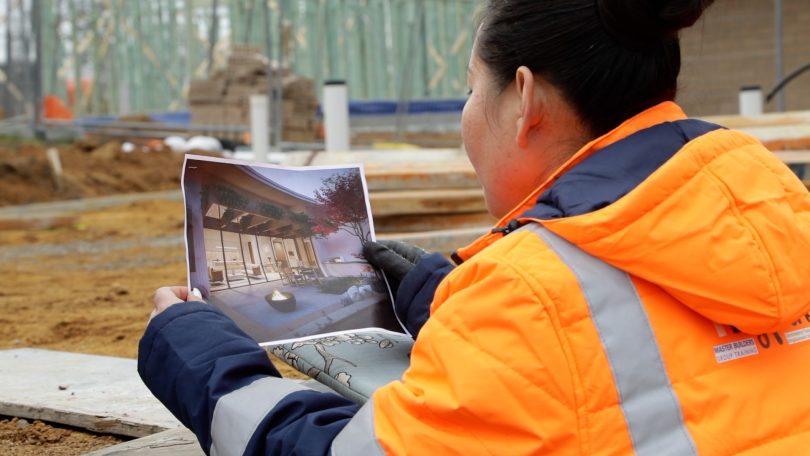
pixel 118 57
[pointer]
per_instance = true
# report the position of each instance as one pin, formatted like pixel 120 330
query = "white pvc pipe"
pixel 751 101
pixel 56 167
pixel 336 116
pixel 259 137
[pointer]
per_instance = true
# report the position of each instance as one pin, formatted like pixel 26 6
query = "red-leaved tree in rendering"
pixel 342 206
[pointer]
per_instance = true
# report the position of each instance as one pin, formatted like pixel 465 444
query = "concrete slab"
pixel 99 393
pixel 174 442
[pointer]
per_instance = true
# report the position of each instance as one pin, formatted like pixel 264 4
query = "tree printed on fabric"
pixel 287 353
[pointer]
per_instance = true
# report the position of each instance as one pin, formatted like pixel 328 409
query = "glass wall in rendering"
pixel 215 259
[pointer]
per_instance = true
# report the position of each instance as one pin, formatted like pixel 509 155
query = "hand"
pixel 166 297
pixel 395 259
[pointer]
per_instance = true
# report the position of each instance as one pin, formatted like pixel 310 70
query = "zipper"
pixel 513 225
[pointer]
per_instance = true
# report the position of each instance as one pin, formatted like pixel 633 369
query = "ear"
pixel 529 115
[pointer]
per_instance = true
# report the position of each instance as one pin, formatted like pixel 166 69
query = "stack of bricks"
pixel 224 98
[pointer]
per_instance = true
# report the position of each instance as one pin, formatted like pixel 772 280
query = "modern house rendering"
pixel 254 230
pixel 268 255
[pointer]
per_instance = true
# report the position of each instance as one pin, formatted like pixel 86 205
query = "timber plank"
pixel 424 176
pixel 431 222
pixel 427 201
pixel 763 120
pixel 99 393
pixel 442 241
pixel 793 157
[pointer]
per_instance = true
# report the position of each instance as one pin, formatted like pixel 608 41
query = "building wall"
pixel 733 46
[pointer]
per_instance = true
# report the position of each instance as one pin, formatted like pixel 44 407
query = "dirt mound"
pixel 22 438
pixel 26 176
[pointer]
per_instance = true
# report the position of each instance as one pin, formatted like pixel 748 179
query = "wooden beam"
pixel 421 177
pixel 794 157
pixel 427 201
pixel 431 222
pixel 442 241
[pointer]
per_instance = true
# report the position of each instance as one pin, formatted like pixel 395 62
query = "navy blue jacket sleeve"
pixel 415 293
pixel 191 355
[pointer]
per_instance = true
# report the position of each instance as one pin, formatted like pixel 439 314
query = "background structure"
pixel 737 44
pixel 116 57
pixel 140 56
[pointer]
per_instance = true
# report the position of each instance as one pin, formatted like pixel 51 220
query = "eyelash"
pixel 469 92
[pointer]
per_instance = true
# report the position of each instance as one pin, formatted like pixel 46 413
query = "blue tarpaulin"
pixel 356 108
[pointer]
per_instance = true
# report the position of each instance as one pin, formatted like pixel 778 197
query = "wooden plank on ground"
pixel 372 156
pixel 99 393
pixel 442 241
pixel 174 442
pixel 794 157
pixel 458 174
pixel 762 120
pixel 427 201
pixel 786 132
pixel 431 222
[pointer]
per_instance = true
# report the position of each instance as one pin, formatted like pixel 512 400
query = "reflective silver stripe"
pixel 358 437
pixel 648 402
pixel 238 413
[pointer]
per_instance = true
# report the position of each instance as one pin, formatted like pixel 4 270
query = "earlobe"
pixel 522 133
pixel 528 115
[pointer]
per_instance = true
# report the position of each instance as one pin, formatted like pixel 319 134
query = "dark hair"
pixel 611 59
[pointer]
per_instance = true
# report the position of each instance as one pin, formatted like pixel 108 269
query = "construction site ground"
pixel 81 279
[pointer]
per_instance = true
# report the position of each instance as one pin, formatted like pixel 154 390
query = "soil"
pixel 23 438
pixel 89 168
pixel 83 282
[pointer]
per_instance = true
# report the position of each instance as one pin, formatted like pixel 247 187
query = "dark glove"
pixel 413 275
pixel 394 258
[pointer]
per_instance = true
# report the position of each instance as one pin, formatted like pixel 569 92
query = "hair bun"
pixel 640 23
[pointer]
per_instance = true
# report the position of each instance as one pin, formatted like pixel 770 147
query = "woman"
pixel 645 291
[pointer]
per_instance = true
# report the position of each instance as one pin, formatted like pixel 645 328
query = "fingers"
pixel 168 296
pixel 383 257
pixel 410 252
pixel 371 250
pixel 181 292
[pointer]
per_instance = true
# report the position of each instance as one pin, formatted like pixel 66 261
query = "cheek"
pixel 472 131
pixel 479 143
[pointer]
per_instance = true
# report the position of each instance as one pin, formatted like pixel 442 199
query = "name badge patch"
pixel 799 335
pixel 736 350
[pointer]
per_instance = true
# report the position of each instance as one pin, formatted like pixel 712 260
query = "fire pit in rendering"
pixel 281 300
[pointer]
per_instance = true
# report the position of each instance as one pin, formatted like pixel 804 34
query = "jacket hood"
pixel 718 222
pixel 723 226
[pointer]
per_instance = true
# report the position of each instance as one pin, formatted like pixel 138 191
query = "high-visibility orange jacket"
pixel 670 319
